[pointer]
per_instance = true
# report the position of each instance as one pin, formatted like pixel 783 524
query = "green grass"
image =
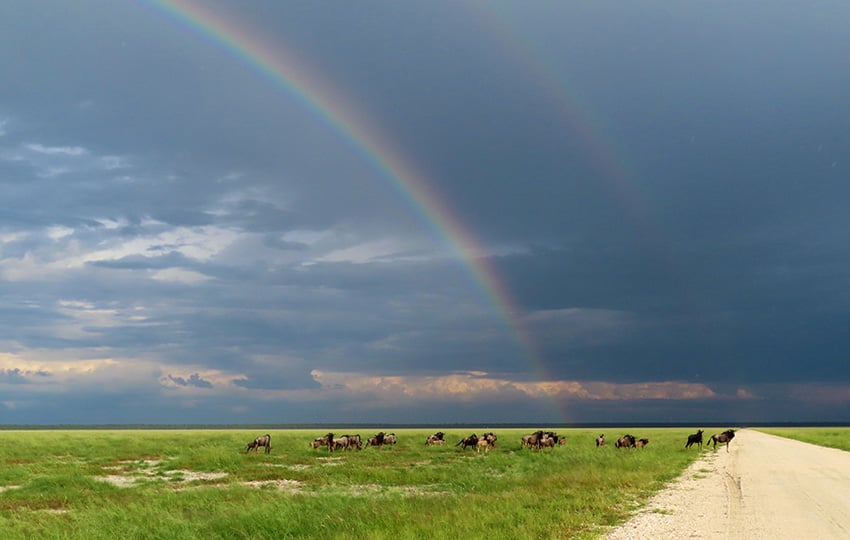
pixel 201 484
pixel 833 437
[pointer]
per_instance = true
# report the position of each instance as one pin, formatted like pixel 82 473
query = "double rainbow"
pixel 307 86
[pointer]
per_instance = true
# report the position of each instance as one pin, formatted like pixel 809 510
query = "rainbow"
pixel 575 112
pixel 309 88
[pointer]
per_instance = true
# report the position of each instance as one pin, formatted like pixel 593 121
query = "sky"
pixel 452 211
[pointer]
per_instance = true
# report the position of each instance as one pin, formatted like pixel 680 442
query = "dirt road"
pixel 764 487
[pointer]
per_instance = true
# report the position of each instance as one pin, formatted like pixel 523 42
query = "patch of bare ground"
pixel 295 467
pixel 144 470
pixel 291 486
pixel 376 489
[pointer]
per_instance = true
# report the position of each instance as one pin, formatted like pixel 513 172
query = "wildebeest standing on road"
pixel 263 440
pixel 725 437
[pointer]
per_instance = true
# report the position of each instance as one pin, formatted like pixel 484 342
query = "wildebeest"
pixel 482 443
pixel 626 441
pixel 436 438
pixel 347 442
pixel 725 437
pixel 377 440
pixel 472 440
pixel 533 440
pixel 354 441
pixel 600 440
pixel 696 438
pixel 549 440
pixel 486 441
pixel 263 440
pixel 640 443
pixel 390 438
pixel 327 440
pixel 319 442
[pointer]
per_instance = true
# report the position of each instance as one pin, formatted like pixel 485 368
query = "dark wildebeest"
pixel 640 443
pixel 436 438
pixel 626 441
pixel 377 440
pixel 472 440
pixel 264 440
pixel 329 441
pixel 725 437
pixel 600 440
pixel 696 438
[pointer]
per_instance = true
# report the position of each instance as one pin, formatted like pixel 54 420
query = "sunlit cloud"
pixel 476 386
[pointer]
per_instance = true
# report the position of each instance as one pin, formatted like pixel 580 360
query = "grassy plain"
pixel 201 484
pixel 833 437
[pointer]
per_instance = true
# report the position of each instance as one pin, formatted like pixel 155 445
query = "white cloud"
pixel 179 275
pixel 111 163
pixel 59 232
pixel 376 250
pixel 57 150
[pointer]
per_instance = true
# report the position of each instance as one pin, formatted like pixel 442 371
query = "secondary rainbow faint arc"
pixel 334 109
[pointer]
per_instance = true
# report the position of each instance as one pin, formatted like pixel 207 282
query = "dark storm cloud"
pixel 193 380
pixel 16 376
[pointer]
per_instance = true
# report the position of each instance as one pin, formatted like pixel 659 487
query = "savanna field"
pixel 202 484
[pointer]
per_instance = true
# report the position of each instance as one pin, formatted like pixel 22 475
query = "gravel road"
pixel 764 487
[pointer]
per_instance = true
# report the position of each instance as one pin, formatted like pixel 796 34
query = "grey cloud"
pixel 193 380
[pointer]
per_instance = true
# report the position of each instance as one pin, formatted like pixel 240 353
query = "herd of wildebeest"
pixel 536 441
